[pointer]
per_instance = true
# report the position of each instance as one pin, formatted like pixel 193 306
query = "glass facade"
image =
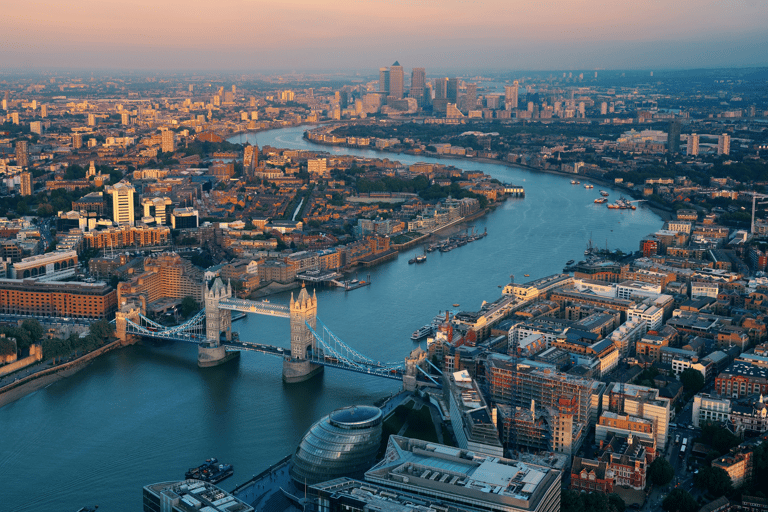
pixel 344 443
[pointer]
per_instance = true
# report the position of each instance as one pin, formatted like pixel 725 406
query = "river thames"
pixel 147 413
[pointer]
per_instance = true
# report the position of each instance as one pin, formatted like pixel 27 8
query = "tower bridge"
pixel 313 344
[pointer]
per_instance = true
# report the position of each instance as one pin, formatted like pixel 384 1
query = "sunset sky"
pixel 262 35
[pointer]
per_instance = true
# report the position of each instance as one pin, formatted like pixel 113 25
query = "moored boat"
pixel 422 332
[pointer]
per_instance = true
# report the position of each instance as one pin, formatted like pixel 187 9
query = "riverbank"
pixel 661 212
pixel 38 380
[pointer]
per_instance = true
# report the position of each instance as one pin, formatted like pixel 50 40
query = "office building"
pixel 384 80
pixel 343 443
pixel 418 85
pixel 673 137
pixel 166 275
pixel 122 203
pixel 156 210
pixel 22 153
pixel 511 96
pixel 470 98
pixel 466 480
pixel 185 218
pixel 188 495
pixel 452 93
pixel 724 144
pixel 441 88
pixel 471 418
pixel 29 297
pixel 396 80
pixel 693 144
pixel 642 402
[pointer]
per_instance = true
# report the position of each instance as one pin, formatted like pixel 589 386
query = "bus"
pixel 682 452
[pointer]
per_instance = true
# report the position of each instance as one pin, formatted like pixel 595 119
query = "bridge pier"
pixel 299 370
pixel 213 354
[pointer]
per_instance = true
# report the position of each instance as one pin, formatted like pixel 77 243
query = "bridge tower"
pixel 217 320
pixel 303 311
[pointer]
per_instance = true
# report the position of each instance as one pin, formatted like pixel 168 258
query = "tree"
pixel 692 380
pixel 188 306
pixel 33 327
pixel 661 471
pixel 713 480
pixel 679 500
pixel 616 503
pixel 102 329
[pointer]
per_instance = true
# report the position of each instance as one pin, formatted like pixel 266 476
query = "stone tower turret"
pixel 303 311
pixel 217 320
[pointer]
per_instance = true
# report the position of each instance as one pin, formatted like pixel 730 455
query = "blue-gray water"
pixel 146 413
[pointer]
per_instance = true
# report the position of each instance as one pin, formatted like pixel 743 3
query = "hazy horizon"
pixel 299 35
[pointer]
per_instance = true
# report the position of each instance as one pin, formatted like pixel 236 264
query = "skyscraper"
pixel 22 153
pixel 724 144
pixel 673 137
pixel 384 80
pixel 510 96
pixel 453 90
pixel 470 99
pixel 693 144
pixel 418 84
pixel 396 81
pixel 441 88
pixel 122 203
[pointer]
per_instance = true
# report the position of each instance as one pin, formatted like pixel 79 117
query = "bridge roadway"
pixel 388 373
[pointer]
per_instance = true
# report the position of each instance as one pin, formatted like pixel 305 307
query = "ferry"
pixel 421 333
pixel 600 200
pixel 210 471
pixel 604 193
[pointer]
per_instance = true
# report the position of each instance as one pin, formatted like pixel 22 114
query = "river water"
pixel 147 413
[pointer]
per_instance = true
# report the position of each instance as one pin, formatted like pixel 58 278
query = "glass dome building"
pixel 344 443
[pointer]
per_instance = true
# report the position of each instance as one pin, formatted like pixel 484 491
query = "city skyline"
pixel 310 35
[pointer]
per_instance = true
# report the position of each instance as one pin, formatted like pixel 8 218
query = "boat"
pixel 604 193
pixel 456 305
pixel 423 332
pixel 421 258
pixel 589 186
pixel 574 182
pixel 600 200
pixel 622 204
pixel 526 275
pixel 210 471
pixel 412 261
pixel 569 262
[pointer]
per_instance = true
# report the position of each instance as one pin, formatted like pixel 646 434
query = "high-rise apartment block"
pixel 441 88
pixel 122 203
pixel 25 184
pixel 22 153
pixel 511 95
pixel 693 144
pixel 77 141
pixel 168 143
pixel 317 167
pixel 673 137
pixel 724 144
pixel 91 120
